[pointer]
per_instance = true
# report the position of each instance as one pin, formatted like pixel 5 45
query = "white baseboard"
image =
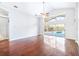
pixel 22 37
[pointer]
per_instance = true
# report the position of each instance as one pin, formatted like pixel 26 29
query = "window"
pixel 60 18
pixel 52 20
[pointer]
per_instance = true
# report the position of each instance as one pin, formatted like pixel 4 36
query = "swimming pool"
pixel 58 34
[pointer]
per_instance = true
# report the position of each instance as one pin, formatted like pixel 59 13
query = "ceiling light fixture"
pixel 44 13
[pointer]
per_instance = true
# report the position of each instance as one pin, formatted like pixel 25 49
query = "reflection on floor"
pixel 37 46
pixel 53 46
pixel 55 42
pixel 61 45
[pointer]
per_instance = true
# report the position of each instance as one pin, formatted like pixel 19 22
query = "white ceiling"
pixel 37 7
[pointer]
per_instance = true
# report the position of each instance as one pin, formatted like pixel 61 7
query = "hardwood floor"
pixel 30 46
pixel 4 47
pixel 37 46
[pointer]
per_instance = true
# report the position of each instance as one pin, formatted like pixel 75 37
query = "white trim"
pixel 21 37
pixel 77 42
pixel 3 16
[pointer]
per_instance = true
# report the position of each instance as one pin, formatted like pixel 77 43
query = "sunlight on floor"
pixel 55 42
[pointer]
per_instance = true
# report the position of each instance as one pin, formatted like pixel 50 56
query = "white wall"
pixel 40 24
pixel 21 25
pixel 69 22
pixel 70 25
pixel 78 23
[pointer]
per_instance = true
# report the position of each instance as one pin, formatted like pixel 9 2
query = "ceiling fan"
pixel 44 13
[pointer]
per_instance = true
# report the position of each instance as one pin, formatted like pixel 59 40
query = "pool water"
pixel 58 34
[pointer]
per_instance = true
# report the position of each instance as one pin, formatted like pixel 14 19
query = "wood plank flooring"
pixel 38 46
pixel 4 47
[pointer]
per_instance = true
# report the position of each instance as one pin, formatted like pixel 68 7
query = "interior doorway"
pixel 4 25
